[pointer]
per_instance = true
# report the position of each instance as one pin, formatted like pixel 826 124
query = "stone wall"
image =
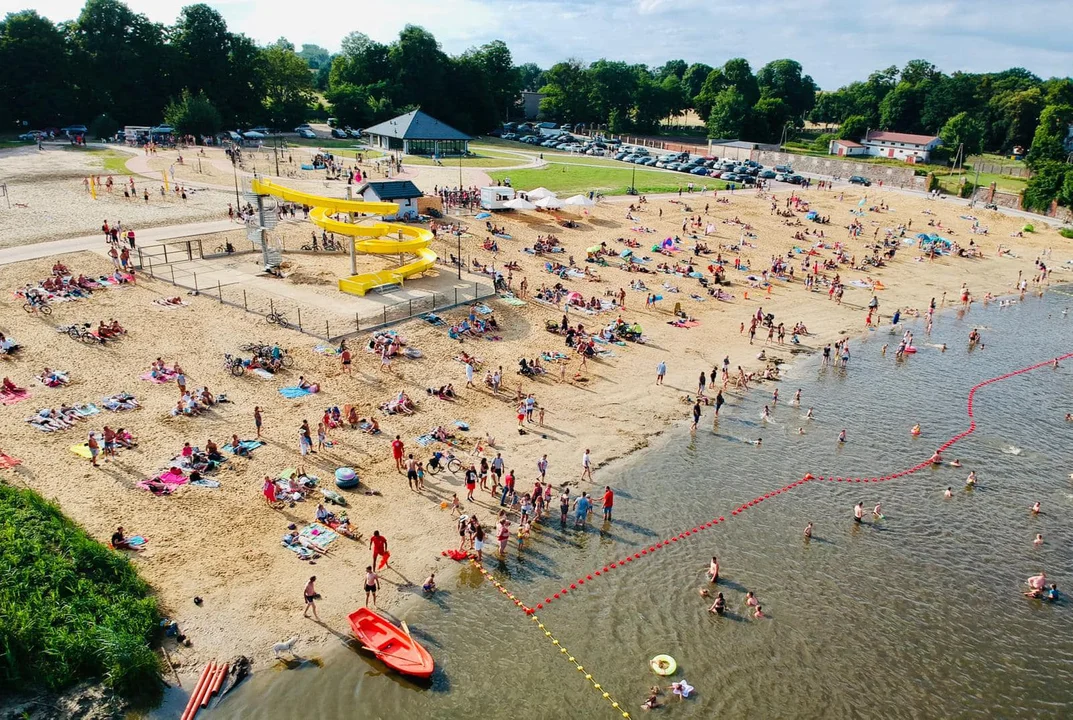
pixel 843 168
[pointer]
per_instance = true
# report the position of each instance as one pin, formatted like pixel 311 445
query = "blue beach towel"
pixel 293 392
pixel 249 445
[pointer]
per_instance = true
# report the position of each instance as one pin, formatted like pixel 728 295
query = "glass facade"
pixel 437 147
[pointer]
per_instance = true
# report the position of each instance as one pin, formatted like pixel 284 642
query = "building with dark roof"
pixel 402 192
pixel 417 133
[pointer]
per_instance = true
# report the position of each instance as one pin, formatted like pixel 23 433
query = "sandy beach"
pixel 223 544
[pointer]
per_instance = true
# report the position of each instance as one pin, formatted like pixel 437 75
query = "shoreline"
pixel 249 584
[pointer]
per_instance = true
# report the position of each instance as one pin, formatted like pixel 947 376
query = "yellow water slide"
pixel 380 238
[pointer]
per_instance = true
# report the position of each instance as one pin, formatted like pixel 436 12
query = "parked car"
pixel 784 169
pixel 74 130
pixel 33 135
pixel 796 179
pixel 767 174
pixel 339 133
pixel 648 161
pixel 261 129
pixel 353 133
pixel 858 180
pixel 715 174
pixel 781 177
pixel 306 133
pixel 566 127
pixel 700 170
pixel 303 126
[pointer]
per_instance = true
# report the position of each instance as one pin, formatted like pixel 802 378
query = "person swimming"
pixel 970 481
pixel 915 430
pixel 949 493
pixel 936 458
pixel 759 614
pixel 1039 540
pixel 750 599
pixel 877 512
pixel 719 607
pixel 809 415
pixel 1035 508
pixel 955 463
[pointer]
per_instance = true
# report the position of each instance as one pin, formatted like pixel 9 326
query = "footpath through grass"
pixel 572 179
pixel 113 162
pixel 70 608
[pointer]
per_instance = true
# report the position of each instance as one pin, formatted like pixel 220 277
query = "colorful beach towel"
pixel 425 440
pixel 86 410
pixel 7 462
pixel 205 482
pixel 82 450
pixel 158 379
pixel 318 535
pixel 10 398
pixel 248 445
pixel 510 299
pixel 294 392
pixel 326 350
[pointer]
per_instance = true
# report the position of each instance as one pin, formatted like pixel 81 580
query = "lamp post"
pixel 459 256
pixel 234 169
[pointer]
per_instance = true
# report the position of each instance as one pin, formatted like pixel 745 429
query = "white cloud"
pixel 836 41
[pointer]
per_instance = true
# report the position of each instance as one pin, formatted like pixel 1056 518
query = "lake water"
pixel 918 615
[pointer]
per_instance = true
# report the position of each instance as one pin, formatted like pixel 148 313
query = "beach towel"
pixel 262 373
pixel 294 392
pixel 82 451
pixel 457 555
pixel 505 236
pixel 144 485
pixel 326 350
pixel 164 303
pixel 684 323
pixel 248 445
pixel 318 535
pixel 205 482
pixel 483 309
pixel 7 462
pixel 425 440
pixel 461 425
pixel 170 478
pixel 86 410
pixel 10 398
pixel 513 301
pixel 159 379
pixel 137 540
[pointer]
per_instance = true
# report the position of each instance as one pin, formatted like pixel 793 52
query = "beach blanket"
pixel 860 284
pixel 326 350
pixel 248 445
pixel 58 378
pixel 318 535
pixel 164 303
pixel 86 410
pixel 510 299
pixel 303 553
pixel 684 323
pixel 82 451
pixel 205 482
pixel 505 236
pixel 425 440
pixel 461 425
pixel 262 373
pixel 552 357
pixel 158 379
pixel 294 392
pixel 457 555
pixel 10 398
pixel 169 478
pixel 7 462
pixel 483 309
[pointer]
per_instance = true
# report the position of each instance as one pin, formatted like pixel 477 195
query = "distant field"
pixel 569 179
pixel 479 159
pixel 113 161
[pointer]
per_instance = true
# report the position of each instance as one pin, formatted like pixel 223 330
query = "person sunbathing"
pixel 324 515
pixel 10 387
pixel 104 332
pixel 207 397
pixel 123 438
pixel 372 426
pixel 212 452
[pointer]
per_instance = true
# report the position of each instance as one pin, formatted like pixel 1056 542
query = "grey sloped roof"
pixel 392 189
pixel 417 125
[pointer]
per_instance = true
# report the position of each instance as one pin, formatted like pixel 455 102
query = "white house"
pixel 900 146
pixel 417 133
pixel 846 148
pixel 401 192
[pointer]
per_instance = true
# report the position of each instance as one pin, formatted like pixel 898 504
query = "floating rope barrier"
pixel 683 535
pixel 554 640
pixel 787 488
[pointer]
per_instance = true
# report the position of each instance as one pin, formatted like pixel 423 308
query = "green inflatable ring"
pixel 663 665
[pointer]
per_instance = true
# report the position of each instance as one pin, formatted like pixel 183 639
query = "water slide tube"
pixel 381 238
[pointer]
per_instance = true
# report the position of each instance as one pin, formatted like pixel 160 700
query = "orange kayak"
pixel 394 646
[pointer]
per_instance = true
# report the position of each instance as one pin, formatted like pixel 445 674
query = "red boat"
pixel 395 647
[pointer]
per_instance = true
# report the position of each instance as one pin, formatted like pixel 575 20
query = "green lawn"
pixel 567 179
pixel 320 142
pixel 479 159
pixel 949 182
pixel 112 161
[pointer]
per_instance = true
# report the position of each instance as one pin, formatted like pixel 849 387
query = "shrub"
pixel 1066 233
pixel 1028 228
pixel 70 608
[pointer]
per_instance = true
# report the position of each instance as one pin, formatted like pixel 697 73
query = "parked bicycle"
pixel 83 333
pixel 234 364
pixel 277 318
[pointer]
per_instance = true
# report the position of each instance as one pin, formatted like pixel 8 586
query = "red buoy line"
pixel 617 564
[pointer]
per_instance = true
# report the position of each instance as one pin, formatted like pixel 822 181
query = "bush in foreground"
pixel 70 608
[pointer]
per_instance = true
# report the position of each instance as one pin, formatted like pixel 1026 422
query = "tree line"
pixel 113 65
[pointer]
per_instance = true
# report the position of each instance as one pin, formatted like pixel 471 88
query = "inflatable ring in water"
pixel 663 665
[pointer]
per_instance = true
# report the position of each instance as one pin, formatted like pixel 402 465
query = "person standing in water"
pixel 858 512
pixel 713 570
pixel 842 436
pixel 808 531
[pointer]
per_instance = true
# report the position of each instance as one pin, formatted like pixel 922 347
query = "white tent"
pixel 549 203
pixel 579 201
pixel 539 193
pixel 519 204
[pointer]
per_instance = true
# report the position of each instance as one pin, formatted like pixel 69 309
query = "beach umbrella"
pixel 579 201
pixel 549 203
pixel 254 134
pixel 539 193
pixel 575 297
pixel 519 204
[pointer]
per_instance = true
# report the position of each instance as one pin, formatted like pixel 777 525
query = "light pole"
pixel 234 169
pixel 460 256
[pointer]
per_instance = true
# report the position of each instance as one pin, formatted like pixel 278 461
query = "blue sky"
pixel 836 41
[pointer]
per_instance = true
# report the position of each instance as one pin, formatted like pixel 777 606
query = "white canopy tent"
pixel 579 201
pixel 549 203
pixel 539 193
pixel 519 204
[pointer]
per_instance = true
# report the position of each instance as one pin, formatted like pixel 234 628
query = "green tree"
pixel 783 79
pixel 735 73
pixel 288 85
pixel 900 109
pixel 612 86
pixel 203 47
pixel 1051 133
pixel 951 95
pixel 675 97
pixel 35 83
pixel 963 129
pixel 420 69
pixel 917 71
pixel 832 107
pixel 193 115
pixel 530 77
pixel 768 118
pixel 677 68
pixel 103 126
pixel 566 90
pixel 502 79
pixel 1014 117
pixel 853 128
pixel 694 78
pixel 650 100
pixel 729 116
pixel 352 105
pixel 316 56
pixel 1046 185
